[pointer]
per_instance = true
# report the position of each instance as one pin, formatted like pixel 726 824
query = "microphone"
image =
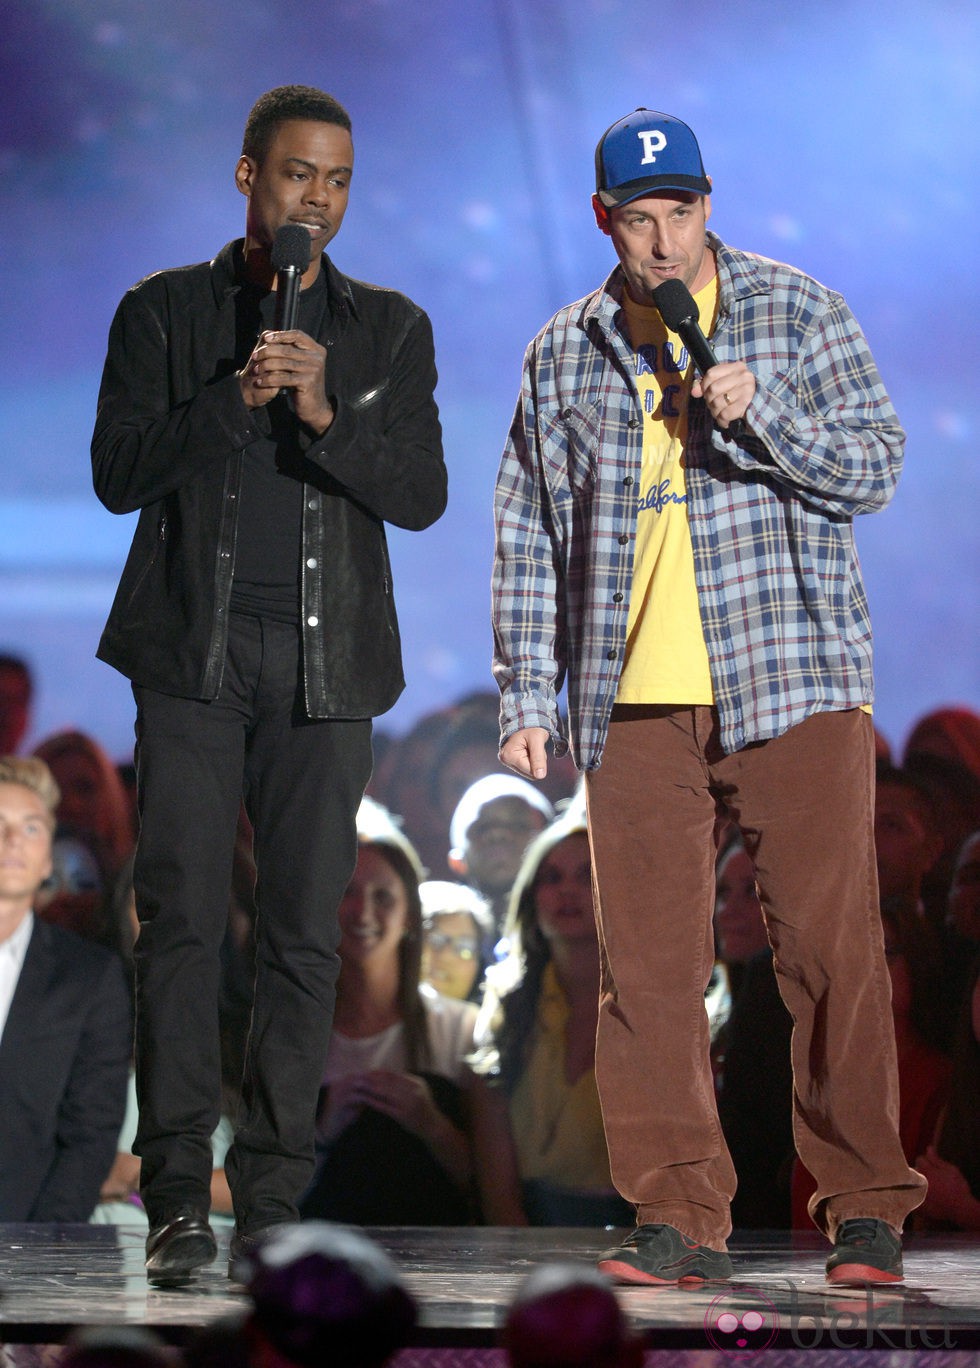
pixel 680 313
pixel 290 256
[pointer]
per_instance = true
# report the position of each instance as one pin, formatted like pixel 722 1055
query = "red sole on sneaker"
pixel 624 1272
pixel 862 1273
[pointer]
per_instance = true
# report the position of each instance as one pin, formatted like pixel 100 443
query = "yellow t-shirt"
pixel 666 656
pixel 557 1125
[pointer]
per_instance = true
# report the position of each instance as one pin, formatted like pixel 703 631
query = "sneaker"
pixel 661 1254
pixel 865 1250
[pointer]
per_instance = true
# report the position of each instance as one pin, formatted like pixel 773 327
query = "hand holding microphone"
pixel 287 361
pixel 727 387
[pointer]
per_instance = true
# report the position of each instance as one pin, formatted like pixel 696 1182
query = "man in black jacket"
pixel 256 622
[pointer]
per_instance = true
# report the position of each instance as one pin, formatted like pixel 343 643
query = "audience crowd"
pixel 460 1086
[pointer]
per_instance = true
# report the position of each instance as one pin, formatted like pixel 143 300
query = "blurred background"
pixel 841 137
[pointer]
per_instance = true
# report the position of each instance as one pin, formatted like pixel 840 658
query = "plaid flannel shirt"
pixel 779 585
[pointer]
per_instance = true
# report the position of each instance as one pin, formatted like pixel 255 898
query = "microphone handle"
pixel 701 353
pixel 697 345
pixel 287 298
pixel 287 308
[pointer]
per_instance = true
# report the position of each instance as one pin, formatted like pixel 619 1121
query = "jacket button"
pixel 312 621
pixel 617 598
pixel 611 655
pixel 313 505
pixel 311 564
pixel 623 540
pixel 633 423
pixel 628 481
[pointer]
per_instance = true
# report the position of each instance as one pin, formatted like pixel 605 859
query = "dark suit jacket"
pixel 64 1063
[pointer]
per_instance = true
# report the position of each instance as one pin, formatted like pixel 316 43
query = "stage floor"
pixel 56 1278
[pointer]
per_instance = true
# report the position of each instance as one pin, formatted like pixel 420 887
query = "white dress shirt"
pixel 12 952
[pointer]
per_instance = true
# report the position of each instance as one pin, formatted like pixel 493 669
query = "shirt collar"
pixel 738 277
pixel 226 279
pixel 16 944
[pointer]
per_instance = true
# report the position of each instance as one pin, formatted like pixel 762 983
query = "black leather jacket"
pixel 169 437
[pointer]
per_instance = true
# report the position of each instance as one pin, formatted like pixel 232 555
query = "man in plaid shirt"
pixel 679 549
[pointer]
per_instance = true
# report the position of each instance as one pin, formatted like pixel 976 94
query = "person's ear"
pixel 457 863
pixel 244 174
pixel 601 215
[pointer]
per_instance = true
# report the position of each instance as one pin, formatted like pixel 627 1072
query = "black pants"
pixel 302 781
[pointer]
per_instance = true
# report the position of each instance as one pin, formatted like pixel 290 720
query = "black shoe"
pixel 865 1251
pixel 177 1248
pixel 661 1254
pixel 241 1253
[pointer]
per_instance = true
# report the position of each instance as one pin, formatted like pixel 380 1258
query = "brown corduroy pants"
pixel 805 803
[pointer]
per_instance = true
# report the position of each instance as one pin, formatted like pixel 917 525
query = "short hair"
pixel 323 1293
pixel 32 773
pixel 566 1316
pixel 115 1347
pixel 280 105
pixel 487 790
pixel 918 795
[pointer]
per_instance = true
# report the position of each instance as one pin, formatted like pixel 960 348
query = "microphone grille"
pixel 676 303
pixel 291 248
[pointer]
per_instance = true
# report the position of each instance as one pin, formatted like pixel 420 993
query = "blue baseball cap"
pixel 647 151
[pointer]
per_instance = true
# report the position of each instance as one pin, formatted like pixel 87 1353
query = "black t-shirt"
pixel 270 512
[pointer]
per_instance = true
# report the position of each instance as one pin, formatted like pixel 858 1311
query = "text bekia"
pixel 874 1320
